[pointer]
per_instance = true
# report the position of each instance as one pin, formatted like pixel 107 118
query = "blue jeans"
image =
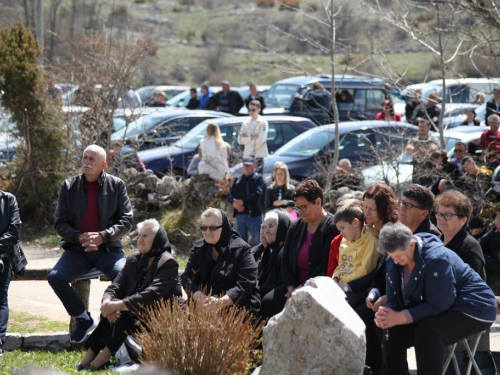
pixel 246 223
pixel 75 263
pixel 5 279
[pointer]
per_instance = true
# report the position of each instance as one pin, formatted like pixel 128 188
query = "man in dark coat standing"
pixel 228 101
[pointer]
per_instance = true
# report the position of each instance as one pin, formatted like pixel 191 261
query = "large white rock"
pixel 317 333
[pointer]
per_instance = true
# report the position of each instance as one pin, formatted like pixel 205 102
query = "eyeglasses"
pixel 408 205
pixel 212 228
pixel 252 110
pixel 303 208
pixel 457 150
pixel 446 215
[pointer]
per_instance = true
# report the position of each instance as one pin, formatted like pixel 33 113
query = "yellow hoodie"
pixel 358 258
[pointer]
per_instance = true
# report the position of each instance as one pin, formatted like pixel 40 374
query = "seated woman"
pixel 221 264
pixel 276 225
pixel 307 244
pixel 279 193
pixel 148 275
pixel 213 153
pixel 387 113
pixel 453 210
pixel 434 299
pixel 470 118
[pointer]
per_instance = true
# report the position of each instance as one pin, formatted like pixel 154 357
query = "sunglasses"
pixel 458 150
pixel 212 228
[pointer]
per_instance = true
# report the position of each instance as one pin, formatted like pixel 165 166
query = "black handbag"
pixel 17 259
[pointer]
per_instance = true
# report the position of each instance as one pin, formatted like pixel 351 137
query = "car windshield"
pixel 281 95
pixel 306 144
pixel 192 138
pixel 137 127
pixel 118 123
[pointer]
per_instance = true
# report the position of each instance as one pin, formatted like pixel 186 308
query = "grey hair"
pixel 149 223
pixel 212 212
pixel 272 215
pixel 393 237
pixel 98 149
pixel 493 117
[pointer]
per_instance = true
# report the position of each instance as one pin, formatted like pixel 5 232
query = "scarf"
pixel 159 246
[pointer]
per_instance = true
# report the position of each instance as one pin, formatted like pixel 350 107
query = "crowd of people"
pixel 413 269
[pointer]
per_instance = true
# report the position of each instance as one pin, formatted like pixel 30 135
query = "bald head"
pixel 93 162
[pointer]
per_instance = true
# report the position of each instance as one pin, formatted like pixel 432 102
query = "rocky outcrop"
pixel 317 333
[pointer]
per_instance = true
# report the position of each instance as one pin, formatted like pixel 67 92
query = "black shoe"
pixel 83 328
pixel 2 266
pixel 80 368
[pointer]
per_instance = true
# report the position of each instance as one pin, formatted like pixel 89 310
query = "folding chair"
pixel 470 353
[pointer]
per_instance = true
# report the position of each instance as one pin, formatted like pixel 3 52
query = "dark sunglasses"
pixel 212 228
pixel 458 150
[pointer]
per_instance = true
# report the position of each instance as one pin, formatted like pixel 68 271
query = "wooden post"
pixel 82 288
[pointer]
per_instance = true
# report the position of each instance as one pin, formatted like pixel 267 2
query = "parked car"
pixel 362 142
pixel 361 101
pixel 163 127
pixel 176 158
pixel 124 116
pixel 181 100
pixel 399 172
pixel 147 93
pixel 462 90
pixel 8 141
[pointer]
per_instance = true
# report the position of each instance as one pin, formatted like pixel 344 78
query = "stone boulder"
pixel 317 333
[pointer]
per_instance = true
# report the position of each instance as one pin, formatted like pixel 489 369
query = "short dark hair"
pixel 385 200
pixel 422 196
pixel 309 189
pixel 205 84
pixel 456 200
pixel 440 154
pixel 350 211
pixel 193 89
pixel 476 222
pixel 467 159
pixel 255 103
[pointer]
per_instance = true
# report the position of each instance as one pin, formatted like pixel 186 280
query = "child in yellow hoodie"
pixel 358 254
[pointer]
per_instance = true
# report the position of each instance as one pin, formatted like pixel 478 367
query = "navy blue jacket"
pixel 439 281
pixel 255 185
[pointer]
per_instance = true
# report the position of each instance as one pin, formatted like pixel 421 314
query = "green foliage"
pixel 177 9
pixel 40 163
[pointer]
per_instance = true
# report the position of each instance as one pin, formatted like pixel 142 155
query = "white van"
pixel 462 90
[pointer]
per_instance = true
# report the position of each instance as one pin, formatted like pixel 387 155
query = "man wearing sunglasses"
pixel 459 153
pixel 253 135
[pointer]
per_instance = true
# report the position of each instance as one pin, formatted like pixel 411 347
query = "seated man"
pixel 477 177
pixel 346 176
pixel 490 244
pixel 414 210
pixel 476 227
pixel 93 214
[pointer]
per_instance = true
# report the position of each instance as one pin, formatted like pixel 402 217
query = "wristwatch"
pixel 346 287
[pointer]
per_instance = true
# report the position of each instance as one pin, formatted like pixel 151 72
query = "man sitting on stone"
pixel 93 214
pixel 415 208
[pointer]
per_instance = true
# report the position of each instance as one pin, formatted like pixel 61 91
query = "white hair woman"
pixel 434 299
pixel 148 275
pixel 213 154
pixel 221 269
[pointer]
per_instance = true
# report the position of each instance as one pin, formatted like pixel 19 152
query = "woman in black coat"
pixel 276 225
pixel 279 193
pixel 148 276
pixel 221 269
pixel 453 210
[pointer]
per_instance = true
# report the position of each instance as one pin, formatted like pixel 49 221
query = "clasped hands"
pixel 90 241
pixel 239 205
pixel 386 318
pixel 211 301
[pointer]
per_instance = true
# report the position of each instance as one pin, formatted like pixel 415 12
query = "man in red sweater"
pixel 93 213
pixel 490 142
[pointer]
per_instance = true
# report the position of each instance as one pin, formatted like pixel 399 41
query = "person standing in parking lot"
pixel 244 195
pixel 194 102
pixel 253 135
pixel 387 113
pixel 205 95
pixel 228 101
pixel 254 95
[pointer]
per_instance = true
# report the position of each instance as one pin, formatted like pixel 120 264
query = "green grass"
pixel 21 322
pixel 64 361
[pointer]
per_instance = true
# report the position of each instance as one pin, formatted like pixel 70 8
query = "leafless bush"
pixel 198 340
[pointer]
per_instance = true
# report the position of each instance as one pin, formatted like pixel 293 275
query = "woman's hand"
pixel 200 297
pixel 382 301
pixel 387 318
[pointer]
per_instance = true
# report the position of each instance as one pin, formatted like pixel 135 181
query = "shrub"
pixel 198 340
pixel 265 3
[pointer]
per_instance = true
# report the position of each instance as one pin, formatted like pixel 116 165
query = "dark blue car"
pixel 364 143
pixel 176 158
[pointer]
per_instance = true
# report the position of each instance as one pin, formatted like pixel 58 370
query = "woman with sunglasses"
pixel 221 269
pixel 387 113
pixel 453 210
pixel 307 244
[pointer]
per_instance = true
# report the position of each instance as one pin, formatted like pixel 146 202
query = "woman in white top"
pixel 213 154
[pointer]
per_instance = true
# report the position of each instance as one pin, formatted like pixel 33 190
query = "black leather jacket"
pixel 10 223
pixel 115 211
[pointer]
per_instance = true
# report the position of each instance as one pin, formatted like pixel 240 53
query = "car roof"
pixel 346 127
pixel 343 80
pixel 465 81
pixel 185 112
pixel 240 119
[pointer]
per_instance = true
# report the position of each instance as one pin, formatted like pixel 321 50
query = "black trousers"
pixel 373 339
pixel 429 336
pixel 111 335
pixel 273 302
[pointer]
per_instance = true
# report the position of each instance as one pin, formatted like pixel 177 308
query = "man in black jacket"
pixel 414 209
pixel 228 101
pixel 10 230
pixel 93 214
pixel 490 244
pixel 244 196
pixel 254 95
